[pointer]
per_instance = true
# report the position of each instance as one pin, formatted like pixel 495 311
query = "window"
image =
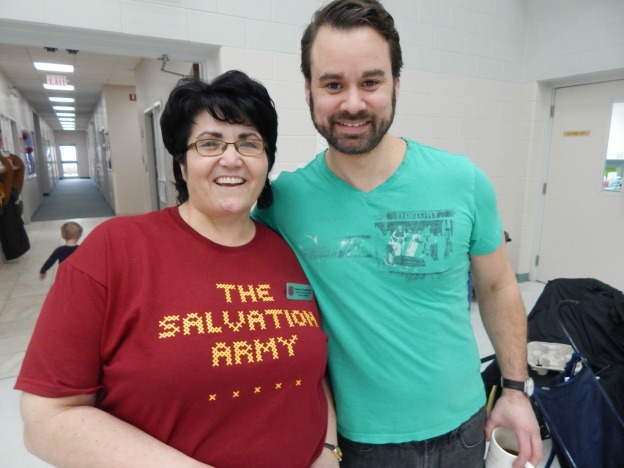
pixel 614 163
pixel 69 160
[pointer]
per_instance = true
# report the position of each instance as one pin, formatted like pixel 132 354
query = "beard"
pixel 354 144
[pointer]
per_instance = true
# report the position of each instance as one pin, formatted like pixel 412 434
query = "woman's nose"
pixel 230 157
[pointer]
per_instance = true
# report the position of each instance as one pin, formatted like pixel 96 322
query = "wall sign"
pixel 56 80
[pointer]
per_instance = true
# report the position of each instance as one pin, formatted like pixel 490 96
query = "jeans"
pixel 463 447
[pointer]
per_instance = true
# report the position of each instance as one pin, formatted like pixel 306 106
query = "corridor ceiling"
pixel 102 58
pixel 91 72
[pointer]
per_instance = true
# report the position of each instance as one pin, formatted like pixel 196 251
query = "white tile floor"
pixel 21 296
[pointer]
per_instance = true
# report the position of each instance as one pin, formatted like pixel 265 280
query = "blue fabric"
pixel 463 447
pixel 582 421
pixel 59 254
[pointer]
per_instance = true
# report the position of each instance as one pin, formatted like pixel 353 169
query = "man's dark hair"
pixel 349 14
pixel 232 97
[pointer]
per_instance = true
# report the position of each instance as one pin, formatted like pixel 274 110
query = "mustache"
pixel 347 116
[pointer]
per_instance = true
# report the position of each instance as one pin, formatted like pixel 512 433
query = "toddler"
pixel 71 232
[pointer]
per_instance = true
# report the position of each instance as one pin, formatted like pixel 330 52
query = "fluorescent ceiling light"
pixel 67 119
pixel 54 67
pixel 64 108
pixel 65 114
pixel 62 99
pixel 58 88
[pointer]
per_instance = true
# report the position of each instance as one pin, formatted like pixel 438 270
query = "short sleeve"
pixel 64 354
pixel 487 232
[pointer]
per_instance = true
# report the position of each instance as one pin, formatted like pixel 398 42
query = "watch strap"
pixel 517 385
pixel 513 384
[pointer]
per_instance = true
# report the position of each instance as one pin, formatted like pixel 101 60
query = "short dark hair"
pixel 231 97
pixel 349 14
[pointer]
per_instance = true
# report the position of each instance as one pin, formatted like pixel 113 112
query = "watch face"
pixel 529 386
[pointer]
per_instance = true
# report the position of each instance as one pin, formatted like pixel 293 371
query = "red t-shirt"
pixel 216 351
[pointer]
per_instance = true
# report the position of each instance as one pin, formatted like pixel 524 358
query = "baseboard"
pixel 522 277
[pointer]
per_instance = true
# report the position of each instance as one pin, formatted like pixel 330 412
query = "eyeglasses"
pixel 211 147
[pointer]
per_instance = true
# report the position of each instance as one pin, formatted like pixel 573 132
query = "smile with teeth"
pixel 229 181
pixel 352 124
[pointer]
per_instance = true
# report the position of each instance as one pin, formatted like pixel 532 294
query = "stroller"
pixel 581 413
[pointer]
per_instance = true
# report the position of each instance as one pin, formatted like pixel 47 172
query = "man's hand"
pixel 513 410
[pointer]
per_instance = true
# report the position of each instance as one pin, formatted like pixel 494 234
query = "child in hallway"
pixel 71 232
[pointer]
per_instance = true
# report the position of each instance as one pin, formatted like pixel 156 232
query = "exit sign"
pixel 56 80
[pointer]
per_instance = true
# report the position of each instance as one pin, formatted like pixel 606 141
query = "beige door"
pixel 582 232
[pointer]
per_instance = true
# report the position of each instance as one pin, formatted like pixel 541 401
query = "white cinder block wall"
pixel 477 80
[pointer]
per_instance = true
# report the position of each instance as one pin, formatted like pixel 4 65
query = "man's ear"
pixel 307 91
pixel 397 85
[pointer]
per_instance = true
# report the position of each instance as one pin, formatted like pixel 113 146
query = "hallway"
pixel 72 199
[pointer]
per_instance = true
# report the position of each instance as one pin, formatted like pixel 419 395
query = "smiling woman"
pixel 216 179
pixel 194 313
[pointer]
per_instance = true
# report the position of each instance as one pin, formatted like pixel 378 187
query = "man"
pixel 403 360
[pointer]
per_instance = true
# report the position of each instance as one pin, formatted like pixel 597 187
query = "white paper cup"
pixel 503 449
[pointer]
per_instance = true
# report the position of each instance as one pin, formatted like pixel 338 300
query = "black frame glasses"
pixel 212 147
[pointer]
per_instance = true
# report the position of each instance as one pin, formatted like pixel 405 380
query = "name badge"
pixel 299 292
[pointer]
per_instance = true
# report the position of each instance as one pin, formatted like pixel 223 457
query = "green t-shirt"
pixel 389 269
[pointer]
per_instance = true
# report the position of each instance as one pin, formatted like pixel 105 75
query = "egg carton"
pixel 543 357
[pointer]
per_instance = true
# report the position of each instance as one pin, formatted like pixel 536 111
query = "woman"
pixel 188 336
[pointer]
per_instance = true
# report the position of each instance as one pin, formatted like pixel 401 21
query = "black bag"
pixel 13 236
pixel 17 203
pixel 583 422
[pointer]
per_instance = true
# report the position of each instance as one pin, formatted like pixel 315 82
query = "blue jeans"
pixel 463 447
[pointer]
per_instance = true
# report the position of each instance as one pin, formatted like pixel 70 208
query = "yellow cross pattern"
pixel 237 393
